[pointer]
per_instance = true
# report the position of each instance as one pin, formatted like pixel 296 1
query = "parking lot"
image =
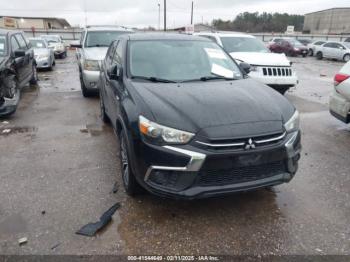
pixel 59 164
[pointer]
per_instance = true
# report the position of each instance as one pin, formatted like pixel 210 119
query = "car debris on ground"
pixel 91 229
pixel 6 131
pixel 23 241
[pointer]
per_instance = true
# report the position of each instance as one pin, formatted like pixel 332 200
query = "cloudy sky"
pixel 142 13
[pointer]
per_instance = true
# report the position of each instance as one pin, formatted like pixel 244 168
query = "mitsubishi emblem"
pixel 249 145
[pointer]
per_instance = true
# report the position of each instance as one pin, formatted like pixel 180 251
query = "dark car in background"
pixel 290 47
pixel 190 122
pixel 17 69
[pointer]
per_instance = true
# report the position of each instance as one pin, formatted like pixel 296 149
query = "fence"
pixel 74 34
pixel 265 37
pixel 67 34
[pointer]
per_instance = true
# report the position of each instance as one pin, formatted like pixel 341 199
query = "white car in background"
pixel 44 56
pixel 340 99
pixel 57 44
pixel 312 47
pixel 272 69
pixel 334 50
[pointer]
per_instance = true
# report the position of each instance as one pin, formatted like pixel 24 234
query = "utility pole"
pixel 158 16
pixel 192 14
pixel 85 13
pixel 164 15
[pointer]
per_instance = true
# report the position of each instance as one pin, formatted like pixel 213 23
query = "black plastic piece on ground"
pixel 91 229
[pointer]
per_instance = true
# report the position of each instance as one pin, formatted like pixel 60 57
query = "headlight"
pixel 162 134
pixel 296 49
pixel 91 65
pixel 293 124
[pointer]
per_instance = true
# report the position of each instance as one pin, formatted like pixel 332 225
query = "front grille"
pixel 240 174
pixel 277 71
pixel 243 143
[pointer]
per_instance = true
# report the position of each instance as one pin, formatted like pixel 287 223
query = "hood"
pixel 41 51
pixel 216 109
pixel 257 58
pixel 95 53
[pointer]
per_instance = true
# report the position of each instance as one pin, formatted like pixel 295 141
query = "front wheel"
pixel 346 58
pixel 319 56
pixel 131 186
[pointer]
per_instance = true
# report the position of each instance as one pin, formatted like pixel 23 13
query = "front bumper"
pixel 59 52
pixel 274 80
pixel 91 79
pixel 189 172
pixel 43 63
pixel 340 107
pixel 9 106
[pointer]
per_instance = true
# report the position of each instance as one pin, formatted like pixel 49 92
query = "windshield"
pixel 51 38
pixel 102 38
pixel 243 44
pixel 37 43
pixel 180 60
pixel 2 45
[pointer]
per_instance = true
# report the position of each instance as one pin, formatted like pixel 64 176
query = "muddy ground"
pixel 59 163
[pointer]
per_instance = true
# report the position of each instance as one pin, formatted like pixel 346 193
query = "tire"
pixel 311 52
pixel 104 116
pixel 346 58
pixel 34 79
pixel 84 90
pixel 304 55
pixel 54 62
pixel 319 56
pixel 283 91
pixel 131 186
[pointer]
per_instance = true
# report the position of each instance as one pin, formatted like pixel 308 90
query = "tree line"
pixel 260 22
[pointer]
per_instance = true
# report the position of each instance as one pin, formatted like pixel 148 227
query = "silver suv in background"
pixel 91 51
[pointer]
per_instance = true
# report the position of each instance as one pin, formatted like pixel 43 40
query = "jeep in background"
pixel 91 51
pixel 274 70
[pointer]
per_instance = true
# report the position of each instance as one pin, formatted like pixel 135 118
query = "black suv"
pixel 17 69
pixel 191 123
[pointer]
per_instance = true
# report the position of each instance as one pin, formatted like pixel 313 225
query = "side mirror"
pixel 245 67
pixel 115 72
pixel 19 53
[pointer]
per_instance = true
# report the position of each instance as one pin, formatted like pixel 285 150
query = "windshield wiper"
pixel 153 79
pixel 98 45
pixel 208 78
